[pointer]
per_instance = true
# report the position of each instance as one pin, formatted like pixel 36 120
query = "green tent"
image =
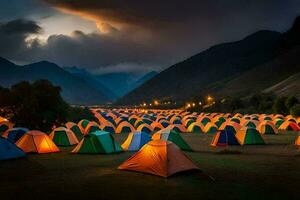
pixel 249 136
pixel 173 136
pixel 62 136
pixel 98 142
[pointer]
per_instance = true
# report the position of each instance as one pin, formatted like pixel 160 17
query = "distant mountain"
pixel 74 89
pixel 123 82
pixel 143 79
pixel 91 80
pixel 237 68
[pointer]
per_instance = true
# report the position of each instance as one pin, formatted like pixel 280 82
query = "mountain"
pixel 91 80
pixel 236 68
pixel 287 87
pixel 74 89
pixel 123 82
pixel 143 79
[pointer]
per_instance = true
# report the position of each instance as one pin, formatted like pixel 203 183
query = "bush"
pixel 75 114
pixel 295 110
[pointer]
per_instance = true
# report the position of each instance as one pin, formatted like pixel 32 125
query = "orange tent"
pixel 36 142
pixel 297 142
pixel 159 157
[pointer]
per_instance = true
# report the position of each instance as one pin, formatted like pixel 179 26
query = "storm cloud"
pixel 145 35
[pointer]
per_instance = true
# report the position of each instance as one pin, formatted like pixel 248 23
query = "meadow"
pixel 237 172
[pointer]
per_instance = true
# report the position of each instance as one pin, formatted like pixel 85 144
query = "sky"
pixel 104 36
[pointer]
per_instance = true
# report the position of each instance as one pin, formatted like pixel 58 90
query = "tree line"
pixel 38 105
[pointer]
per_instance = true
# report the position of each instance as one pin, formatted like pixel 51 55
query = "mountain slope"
pixel 219 62
pixel 91 80
pixel 120 83
pixel 238 68
pixel 287 87
pixel 74 89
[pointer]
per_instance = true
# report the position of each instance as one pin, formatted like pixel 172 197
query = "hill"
pixel 237 68
pixel 74 89
pixel 289 86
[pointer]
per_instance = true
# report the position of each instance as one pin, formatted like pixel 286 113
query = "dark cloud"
pixel 13 35
pixel 139 35
pixel 20 27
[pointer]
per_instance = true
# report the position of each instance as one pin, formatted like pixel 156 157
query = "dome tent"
pixel 173 136
pixel 159 157
pixel 63 137
pixel 9 150
pixel 135 141
pixel 36 142
pixel 98 142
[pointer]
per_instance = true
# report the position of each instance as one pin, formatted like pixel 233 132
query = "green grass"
pixel 256 172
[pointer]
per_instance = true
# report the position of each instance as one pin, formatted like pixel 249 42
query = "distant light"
pixel 200 103
pixel 144 104
pixel 193 104
pixel 156 102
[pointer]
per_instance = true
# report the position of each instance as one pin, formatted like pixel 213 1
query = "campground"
pixel 237 172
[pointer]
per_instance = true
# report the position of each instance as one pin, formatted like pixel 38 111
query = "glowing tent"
pixel 14 134
pixel 83 124
pixel 36 142
pixel 98 142
pixel 297 142
pixel 210 128
pixel 4 126
pixel 135 141
pixel 195 127
pixel 145 128
pixel 249 136
pixel 224 138
pixel 173 136
pixel 159 157
pixel 125 127
pixel 9 150
pixel 289 126
pixel 267 127
pixel 63 137
pixel 75 128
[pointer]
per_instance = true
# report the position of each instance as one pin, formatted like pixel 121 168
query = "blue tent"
pixel 135 141
pixel 224 138
pixel 9 150
pixel 15 134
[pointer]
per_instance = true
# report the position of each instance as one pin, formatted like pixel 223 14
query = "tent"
pixel 173 136
pixel 14 134
pixel 195 127
pixel 231 126
pixel 99 142
pixel 91 127
pixel 62 136
pixel 249 136
pixel 83 124
pixel 297 142
pixel 210 128
pixel 125 127
pixel 4 126
pixel 289 126
pixel 9 150
pixel 135 141
pixel 267 127
pixel 145 128
pixel 159 157
pixel 224 138
pixel 36 142
pixel 75 128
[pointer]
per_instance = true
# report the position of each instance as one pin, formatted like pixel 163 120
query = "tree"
pixel 291 101
pixel 279 106
pixel 38 105
pixel 295 110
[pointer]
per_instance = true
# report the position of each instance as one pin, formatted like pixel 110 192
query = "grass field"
pixel 249 172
